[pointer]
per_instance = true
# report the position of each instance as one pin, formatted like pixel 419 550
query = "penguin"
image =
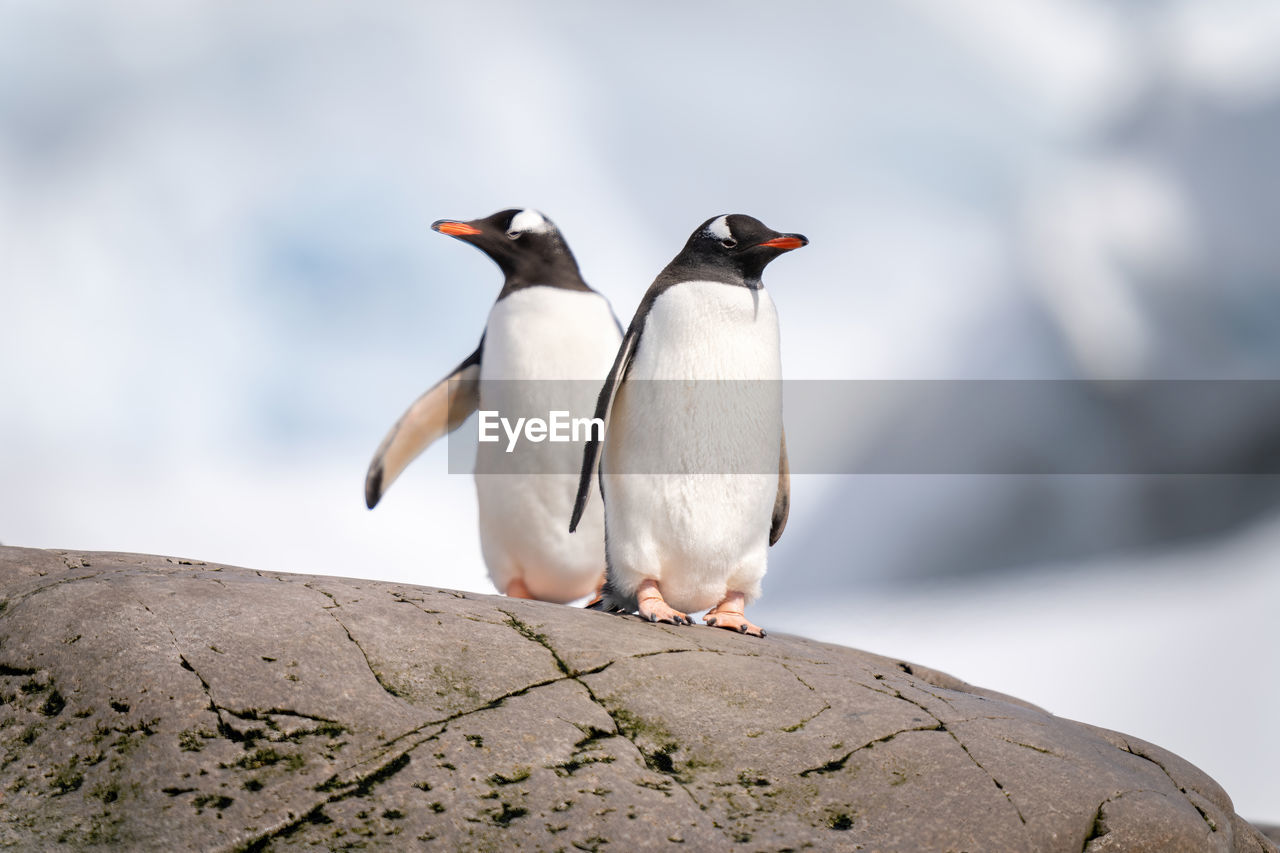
pixel 694 472
pixel 546 324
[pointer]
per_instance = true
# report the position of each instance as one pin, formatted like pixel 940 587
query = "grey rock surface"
pixel 158 703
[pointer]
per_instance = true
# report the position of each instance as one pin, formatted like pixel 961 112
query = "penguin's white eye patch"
pixel 719 229
pixel 526 221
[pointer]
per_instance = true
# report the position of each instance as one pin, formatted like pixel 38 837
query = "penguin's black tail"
pixel 610 601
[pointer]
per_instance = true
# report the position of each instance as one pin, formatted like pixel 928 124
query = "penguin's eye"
pixel 514 235
pixel 728 242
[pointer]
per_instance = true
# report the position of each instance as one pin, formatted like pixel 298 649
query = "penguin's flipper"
pixel 442 409
pixel 591 454
pixel 781 503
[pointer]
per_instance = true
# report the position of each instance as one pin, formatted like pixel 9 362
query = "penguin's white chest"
pixel 709 330
pixel 549 333
pixel 691 453
pixel 546 349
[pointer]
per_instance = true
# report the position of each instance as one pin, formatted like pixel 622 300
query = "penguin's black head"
pixel 734 247
pixel 525 245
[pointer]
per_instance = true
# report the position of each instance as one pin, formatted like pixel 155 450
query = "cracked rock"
pixel 156 703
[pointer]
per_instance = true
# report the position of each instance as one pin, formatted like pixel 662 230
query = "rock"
pixel 151 702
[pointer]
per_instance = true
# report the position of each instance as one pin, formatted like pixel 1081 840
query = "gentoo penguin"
pixel 694 471
pixel 546 324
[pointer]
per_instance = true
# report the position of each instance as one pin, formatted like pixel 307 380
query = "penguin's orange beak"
pixel 454 229
pixel 786 242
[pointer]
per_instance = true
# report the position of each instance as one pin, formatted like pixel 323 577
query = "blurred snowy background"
pixel 220 288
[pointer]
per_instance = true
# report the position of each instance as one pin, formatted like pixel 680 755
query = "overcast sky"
pixel 220 287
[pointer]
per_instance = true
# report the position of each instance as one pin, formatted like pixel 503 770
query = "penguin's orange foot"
pixel 599 596
pixel 728 614
pixel 517 589
pixel 731 621
pixel 660 611
pixel 653 606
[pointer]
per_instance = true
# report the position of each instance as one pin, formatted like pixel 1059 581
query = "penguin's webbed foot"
pixel 728 614
pixel 652 606
pixel 665 614
pixel 517 589
pixel 733 622
pixel 597 601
